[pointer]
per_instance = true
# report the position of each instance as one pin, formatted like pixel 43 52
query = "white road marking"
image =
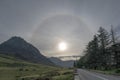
pixel 101 77
pixel 97 76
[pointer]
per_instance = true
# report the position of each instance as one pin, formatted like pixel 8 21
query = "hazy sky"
pixel 45 23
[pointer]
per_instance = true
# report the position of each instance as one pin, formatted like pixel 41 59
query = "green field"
pixel 13 69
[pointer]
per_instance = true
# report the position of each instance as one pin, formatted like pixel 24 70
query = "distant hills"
pixel 20 49
pixel 59 62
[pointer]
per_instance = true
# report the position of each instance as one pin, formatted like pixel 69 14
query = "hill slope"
pixel 19 48
pixel 15 69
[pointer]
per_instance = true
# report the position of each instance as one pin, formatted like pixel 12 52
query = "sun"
pixel 62 46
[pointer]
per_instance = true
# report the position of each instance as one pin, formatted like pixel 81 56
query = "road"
pixel 87 75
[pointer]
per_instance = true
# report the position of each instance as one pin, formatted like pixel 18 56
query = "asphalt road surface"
pixel 88 75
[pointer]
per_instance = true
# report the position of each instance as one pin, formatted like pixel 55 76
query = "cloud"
pixel 45 22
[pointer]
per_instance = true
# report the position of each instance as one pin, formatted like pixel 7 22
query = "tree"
pixel 113 35
pixel 104 41
pixel 96 55
pixel 93 51
pixel 91 58
pixel 115 49
pixel 100 54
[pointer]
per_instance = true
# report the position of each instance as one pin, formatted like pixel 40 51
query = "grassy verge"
pixel 64 75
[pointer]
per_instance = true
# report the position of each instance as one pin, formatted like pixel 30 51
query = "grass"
pixel 7 73
pixel 13 69
pixel 63 77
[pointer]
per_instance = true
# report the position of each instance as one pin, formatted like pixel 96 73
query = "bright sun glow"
pixel 62 46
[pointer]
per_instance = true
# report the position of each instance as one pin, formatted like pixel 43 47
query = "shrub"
pixel 21 69
pixel 117 71
pixel 26 69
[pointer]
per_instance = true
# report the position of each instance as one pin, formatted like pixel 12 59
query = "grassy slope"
pixel 13 69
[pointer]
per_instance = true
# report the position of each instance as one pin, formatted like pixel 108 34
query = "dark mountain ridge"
pixel 19 48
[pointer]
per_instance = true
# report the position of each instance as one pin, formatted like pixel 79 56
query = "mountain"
pixel 20 49
pixel 59 62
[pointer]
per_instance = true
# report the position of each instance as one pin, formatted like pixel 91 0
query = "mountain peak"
pixel 21 49
pixel 16 39
pixel 17 42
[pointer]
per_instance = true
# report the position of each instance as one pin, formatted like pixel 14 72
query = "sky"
pixel 46 23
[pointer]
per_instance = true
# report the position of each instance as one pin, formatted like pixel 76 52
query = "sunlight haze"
pixel 45 22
